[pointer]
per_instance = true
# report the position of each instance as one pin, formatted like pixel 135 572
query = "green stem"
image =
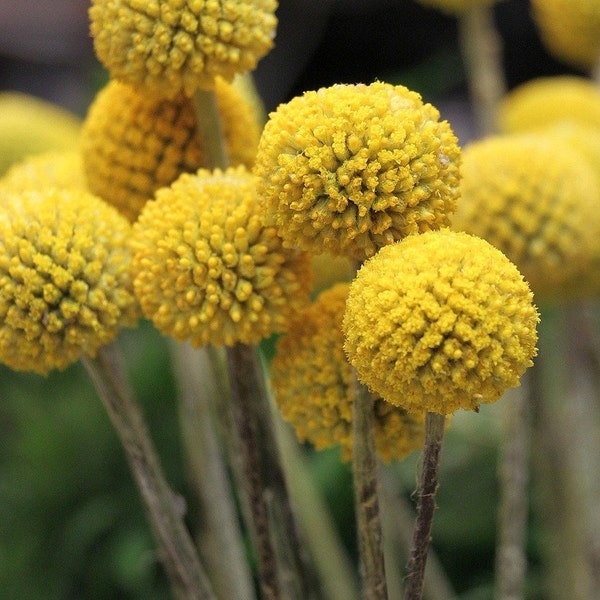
pixel 208 125
pixel 176 548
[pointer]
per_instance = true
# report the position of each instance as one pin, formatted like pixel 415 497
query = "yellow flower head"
pixel 207 269
pixel 175 46
pixel 313 384
pixel 351 168
pixel 455 6
pixel 536 199
pixel 133 144
pixel 570 29
pixel 440 321
pixel 547 100
pixel 65 286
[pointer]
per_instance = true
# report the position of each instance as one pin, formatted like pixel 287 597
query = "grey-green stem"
pixel 209 128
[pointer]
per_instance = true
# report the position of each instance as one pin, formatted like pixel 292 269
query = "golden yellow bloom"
pixel 547 100
pixel 175 46
pixel 133 144
pixel 350 168
pixel 207 269
pixel 455 6
pixel 313 384
pixel 65 286
pixel 440 321
pixel 536 199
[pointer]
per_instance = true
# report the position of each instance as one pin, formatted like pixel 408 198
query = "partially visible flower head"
pixel 547 100
pixel 314 385
pixel 174 46
pixel 440 321
pixel 536 199
pixel 207 269
pixel 455 6
pixel 65 287
pixel 133 144
pixel 350 168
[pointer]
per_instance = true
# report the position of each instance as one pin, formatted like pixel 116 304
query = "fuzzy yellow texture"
pixel 65 287
pixel 174 46
pixel 314 385
pixel 350 168
pixel 456 6
pixel 536 199
pixel 133 144
pixel 440 321
pixel 570 29
pixel 207 269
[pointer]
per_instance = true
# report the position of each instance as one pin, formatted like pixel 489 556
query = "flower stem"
pixel 208 125
pixel 176 548
pixel 434 435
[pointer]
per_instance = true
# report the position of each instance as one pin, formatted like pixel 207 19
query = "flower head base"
pixel 440 321
pixel 65 287
pixel 207 269
pixel 133 144
pixel 314 385
pixel 178 46
pixel 351 168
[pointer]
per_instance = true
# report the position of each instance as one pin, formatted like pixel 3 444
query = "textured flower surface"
pixel 456 6
pixel 440 321
pixel 351 168
pixel 314 385
pixel 65 287
pixel 207 269
pixel 172 46
pixel 133 144
pixel 536 199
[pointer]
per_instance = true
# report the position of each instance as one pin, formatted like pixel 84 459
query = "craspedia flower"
pixel 536 199
pixel 65 287
pixel 456 6
pixel 181 45
pixel 207 269
pixel 133 144
pixel 351 168
pixel 314 385
pixel 440 321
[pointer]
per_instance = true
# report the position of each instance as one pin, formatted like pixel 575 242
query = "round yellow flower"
pixel 175 46
pixel 440 321
pixel 133 144
pixel 455 6
pixel 314 385
pixel 350 168
pixel 207 269
pixel 65 286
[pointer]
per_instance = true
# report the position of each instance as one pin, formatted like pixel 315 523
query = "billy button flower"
pixel 314 385
pixel 178 46
pixel 350 168
pixel 133 144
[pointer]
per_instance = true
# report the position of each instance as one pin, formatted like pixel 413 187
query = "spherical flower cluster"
pixel 65 287
pixel 314 385
pixel 547 100
pixel 456 6
pixel 207 269
pixel 133 144
pixel 440 321
pixel 177 46
pixel 350 168
pixel 536 200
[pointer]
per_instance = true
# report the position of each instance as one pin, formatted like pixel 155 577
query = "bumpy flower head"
pixel 570 29
pixel 133 144
pixel 440 321
pixel 546 100
pixel 172 46
pixel 313 384
pixel 65 286
pixel 351 168
pixel 455 6
pixel 536 199
pixel 207 269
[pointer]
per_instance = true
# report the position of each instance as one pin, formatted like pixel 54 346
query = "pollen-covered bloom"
pixel 350 168
pixel 65 287
pixel 133 144
pixel 440 321
pixel 175 46
pixel 207 268
pixel 314 385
